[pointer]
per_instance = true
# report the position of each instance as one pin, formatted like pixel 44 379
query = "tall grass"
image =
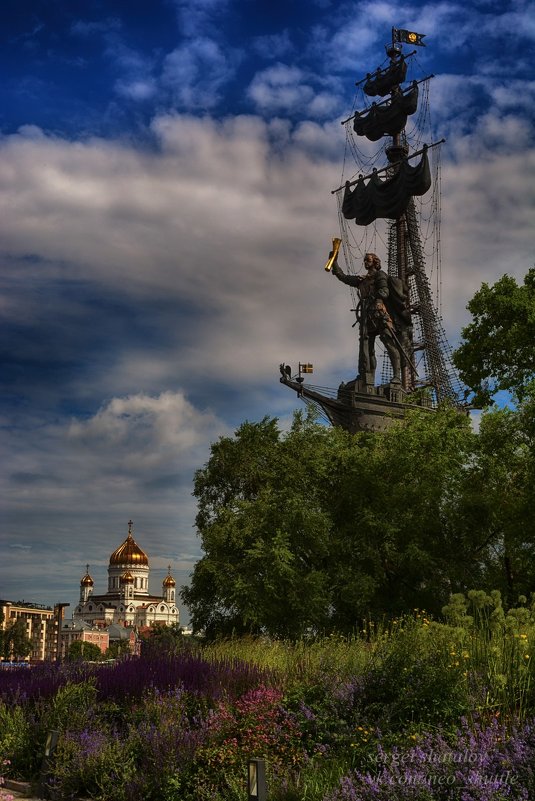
pixel 304 660
pixel 486 652
pixel 498 649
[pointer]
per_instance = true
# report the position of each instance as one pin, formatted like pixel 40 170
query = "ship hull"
pixel 355 410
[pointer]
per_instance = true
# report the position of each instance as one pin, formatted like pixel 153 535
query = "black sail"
pixel 388 119
pixel 383 81
pixel 389 198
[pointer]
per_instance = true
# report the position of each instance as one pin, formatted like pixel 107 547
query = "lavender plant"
pixel 482 763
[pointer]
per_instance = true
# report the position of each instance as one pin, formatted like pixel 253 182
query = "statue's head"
pixel 372 262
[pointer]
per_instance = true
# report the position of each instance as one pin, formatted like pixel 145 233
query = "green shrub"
pixel 92 764
pixel 15 738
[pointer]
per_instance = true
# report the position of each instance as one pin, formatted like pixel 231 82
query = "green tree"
pixel 265 532
pixel 312 529
pixel 498 350
pixel 16 643
pixel 505 472
pixel 117 649
pixel 162 638
pixel 87 651
pixel 401 503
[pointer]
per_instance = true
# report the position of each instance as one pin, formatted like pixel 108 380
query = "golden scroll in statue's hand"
pixel 333 255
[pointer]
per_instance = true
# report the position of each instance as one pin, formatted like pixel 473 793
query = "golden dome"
pixel 127 578
pixel 129 553
pixel 87 581
pixel 169 581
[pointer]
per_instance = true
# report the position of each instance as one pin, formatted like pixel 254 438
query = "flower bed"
pixel 407 709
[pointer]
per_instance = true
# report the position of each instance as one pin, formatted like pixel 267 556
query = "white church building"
pixel 128 600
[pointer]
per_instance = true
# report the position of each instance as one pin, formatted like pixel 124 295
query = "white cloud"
pixel 514 94
pixel 130 444
pixel 287 89
pixel 137 89
pixel 164 432
pixel 222 219
pixel 195 72
pixel 280 88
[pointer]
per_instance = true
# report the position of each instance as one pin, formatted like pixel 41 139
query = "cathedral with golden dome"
pixel 128 600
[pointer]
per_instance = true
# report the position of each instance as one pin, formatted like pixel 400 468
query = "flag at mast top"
pixel 409 37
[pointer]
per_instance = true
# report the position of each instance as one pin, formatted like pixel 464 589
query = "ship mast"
pixel 411 329
pixel 408 263
pixel 395 153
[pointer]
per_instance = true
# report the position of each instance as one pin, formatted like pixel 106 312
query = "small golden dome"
pixel 129 553
pixel 127 578
pixel 169 581
pixel 87 581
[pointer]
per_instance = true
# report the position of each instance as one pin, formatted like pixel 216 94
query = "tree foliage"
pixel 15 642
pixel 117 649
pixel 88 651
pixel 505 472
pixel 162 638
pixel 498 351
pixel 314 529
pixel 265 530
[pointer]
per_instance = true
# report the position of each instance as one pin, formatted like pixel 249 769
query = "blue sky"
pixel 165 176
